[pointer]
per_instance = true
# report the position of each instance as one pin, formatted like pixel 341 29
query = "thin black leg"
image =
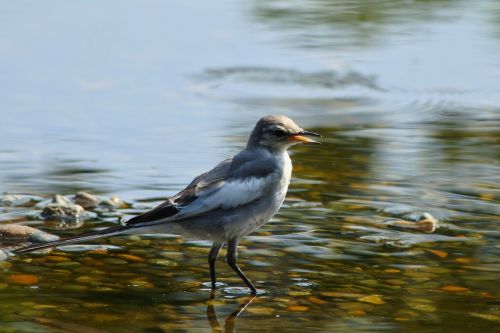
pixel 232 256
pixel 212 257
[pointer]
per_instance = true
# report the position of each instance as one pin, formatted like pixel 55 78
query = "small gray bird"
pixel 226 203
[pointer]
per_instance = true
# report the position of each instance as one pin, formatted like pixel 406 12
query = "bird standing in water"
pixel 226 203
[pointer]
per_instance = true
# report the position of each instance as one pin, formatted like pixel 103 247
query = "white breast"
pixel 284 165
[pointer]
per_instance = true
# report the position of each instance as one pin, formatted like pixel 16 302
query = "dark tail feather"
pixel 71 240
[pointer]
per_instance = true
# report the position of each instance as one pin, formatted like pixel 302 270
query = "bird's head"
pixel 277 133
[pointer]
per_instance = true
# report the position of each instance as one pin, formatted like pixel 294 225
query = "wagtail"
pixel 226 203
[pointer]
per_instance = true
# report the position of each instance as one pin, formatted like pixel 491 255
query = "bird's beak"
pixel 301 137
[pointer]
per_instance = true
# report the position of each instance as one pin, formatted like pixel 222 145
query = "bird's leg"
pixel 232 256
pixel 212 257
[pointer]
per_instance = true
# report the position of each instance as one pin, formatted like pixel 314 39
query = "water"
pixel 135 98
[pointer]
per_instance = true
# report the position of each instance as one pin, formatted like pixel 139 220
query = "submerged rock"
pixel 114 202
pixel 3 255
pixel 22 233
pixel 86 200
pixel 426 223
pixel 23 279
pixel 62 209
pixel 19 200
pixel 66 224
pixel 89 201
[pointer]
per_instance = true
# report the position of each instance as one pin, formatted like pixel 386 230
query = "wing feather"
pixel 232 183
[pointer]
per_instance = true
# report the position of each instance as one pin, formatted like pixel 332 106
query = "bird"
pixel 232 200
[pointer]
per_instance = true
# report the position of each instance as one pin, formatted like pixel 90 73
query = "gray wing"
pixel 234 182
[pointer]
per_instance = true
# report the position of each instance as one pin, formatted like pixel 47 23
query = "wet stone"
pixel 62 209
pixel 141 284
pixel 486 316
pixel 68 264
pixel 261 310
pixel 56 259
pixel 299 293
pixel 3 256
pixel 451 288
pixel 372 299
pixel 19 200
pixel 316 300
pixel 86 200
pixel 23 279
pixel 396 210
pixel 356 313
pixel 427 223
pixel 114 261
pixel 114 203
pixel 129 257
pixel 21 233
pixel 163 262
pixel 438 253
pixel 423 307
pixel 354 306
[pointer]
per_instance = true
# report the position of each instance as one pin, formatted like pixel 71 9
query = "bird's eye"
pixel 279 132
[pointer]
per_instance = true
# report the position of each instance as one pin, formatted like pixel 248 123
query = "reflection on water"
pixel 358 23
pixel 405 94
pixel 229 323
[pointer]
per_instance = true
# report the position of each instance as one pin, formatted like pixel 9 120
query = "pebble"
pixel 356 313
pixel 85 279
pixel 299 293
pixel 372 299
pixel 463 260
pixel 340 294
pixel 486 316
pixel 261 310
pixel 454 288
pixel 114 261
pixel 438 253
pixel 129 257
pixel 163 262
pixel 23 279
pixel 355 306
pixel 395 282
pixel 141 283
pixel 68 264
pixel 427 223
pixel 94 305
pixel 423 307
pixel 316 300
pixel 22 233
pixel 56 259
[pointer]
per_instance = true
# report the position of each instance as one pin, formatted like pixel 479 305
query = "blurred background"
pixel 135 98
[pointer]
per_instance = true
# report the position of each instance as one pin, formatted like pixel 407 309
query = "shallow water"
pixel 135 98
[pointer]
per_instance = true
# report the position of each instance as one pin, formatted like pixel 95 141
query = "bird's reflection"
pixel 230 322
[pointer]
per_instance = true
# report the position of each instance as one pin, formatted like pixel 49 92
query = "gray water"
pixel 135 98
